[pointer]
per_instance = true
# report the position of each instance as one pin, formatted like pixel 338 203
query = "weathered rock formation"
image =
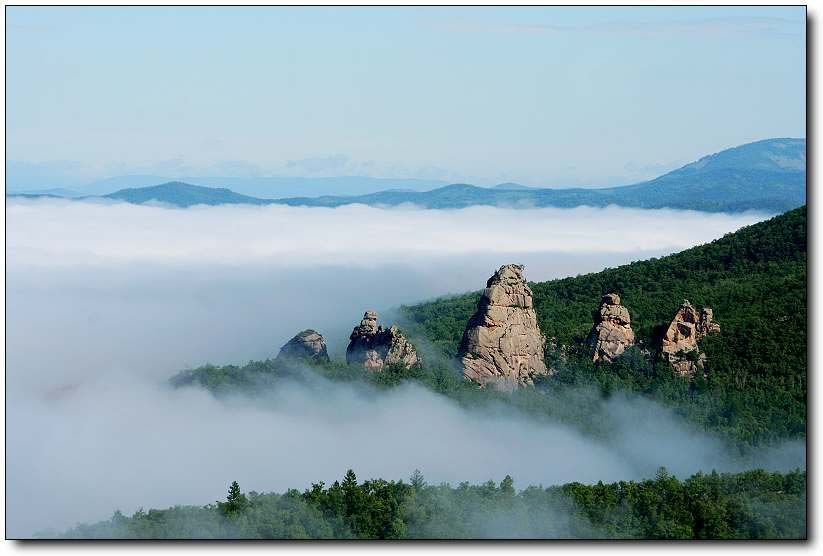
pixel 502 343
pixel 679 346
pixel 374 347
pixel 308 344
pixel 612 331
pixel 706 324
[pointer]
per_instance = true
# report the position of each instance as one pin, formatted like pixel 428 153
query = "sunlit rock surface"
pixel 375 347
pixel 502 343
pixel 679 345
pixel 612 331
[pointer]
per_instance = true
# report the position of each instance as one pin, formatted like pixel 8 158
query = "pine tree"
pixel 417 480
pixel 507 486
pixel 350 480
pixel 235 501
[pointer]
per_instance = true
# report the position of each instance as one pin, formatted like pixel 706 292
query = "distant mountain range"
pixel 264 187
pixel 184 195
pixel 767 175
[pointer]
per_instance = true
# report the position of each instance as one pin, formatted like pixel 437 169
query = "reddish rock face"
pixel 374 347
pixel 502 343
pixel 612 331
pixel 679 346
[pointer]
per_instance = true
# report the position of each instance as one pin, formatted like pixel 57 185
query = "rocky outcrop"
pixel 308 344
pixel 374 347
pixel 679 345
pixel 502 343
pixel 706 324
pixel 612 331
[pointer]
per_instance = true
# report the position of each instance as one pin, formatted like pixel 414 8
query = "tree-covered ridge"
pixel 653 289
pixel 754 279
pixel 751 505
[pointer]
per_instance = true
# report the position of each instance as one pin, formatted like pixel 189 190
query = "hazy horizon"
pixel 30 177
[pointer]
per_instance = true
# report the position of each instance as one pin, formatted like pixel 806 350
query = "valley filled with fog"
pixel 106 301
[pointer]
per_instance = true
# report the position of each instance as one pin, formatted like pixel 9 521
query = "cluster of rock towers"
pixel 612 334
pixel 502 344
pixel 370 345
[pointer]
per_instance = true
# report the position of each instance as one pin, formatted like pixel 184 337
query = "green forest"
pixel 750 505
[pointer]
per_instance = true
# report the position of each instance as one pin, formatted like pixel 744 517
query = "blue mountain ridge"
pixel 768 175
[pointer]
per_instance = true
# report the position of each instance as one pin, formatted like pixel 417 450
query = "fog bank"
pixel 68 232
pixel 106 301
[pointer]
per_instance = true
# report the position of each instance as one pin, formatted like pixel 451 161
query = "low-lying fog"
pixel 106 301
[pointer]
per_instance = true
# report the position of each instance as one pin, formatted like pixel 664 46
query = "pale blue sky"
pixel 544 96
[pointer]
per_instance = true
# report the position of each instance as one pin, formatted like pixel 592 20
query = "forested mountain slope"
pixel 754 279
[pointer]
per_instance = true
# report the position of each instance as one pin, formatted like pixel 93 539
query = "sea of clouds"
pixel 106 301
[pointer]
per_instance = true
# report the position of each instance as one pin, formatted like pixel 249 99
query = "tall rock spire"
pixel 612 331
pixel 502 343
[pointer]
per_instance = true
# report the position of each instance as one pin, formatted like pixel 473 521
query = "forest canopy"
pixel 750 505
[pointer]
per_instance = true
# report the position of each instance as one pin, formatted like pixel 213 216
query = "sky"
pixel 551 96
